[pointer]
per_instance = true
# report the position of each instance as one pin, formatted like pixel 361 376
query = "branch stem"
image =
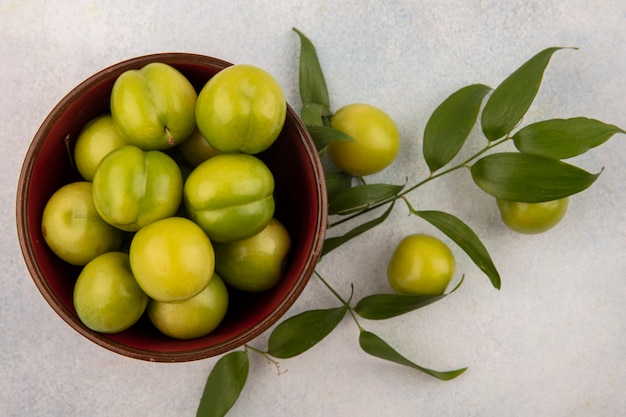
pixel 432 176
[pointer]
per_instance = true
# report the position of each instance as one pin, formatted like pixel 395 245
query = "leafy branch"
pixel 535 172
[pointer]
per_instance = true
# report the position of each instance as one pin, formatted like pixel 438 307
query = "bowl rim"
pixel 37 275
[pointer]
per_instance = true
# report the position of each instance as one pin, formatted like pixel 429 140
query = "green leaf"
pixel 529 178
pixel 324 136
pixel 337 182
pixel 224 385
pixel 361 197
pixel 333 243
pixel 563 138
pixel 313 87
pixel 512 98
pixel 467 240
pixel 450 124
pixel 375 346
pixel 312 114
pixel 299 333
pixel 386 306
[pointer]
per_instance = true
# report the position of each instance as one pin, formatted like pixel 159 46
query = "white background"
pixel 551 342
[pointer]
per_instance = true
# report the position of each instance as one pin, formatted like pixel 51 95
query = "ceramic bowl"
pixel 300 205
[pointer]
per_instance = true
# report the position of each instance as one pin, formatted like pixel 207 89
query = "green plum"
pixel 133 188
pixel 106 296
pixel 195 149
pixel 172 259
pixel 257 263
pixel 194 317
pixel 241 109
pixel 231 196
pixel 154 107
pixel 375 144
pixel 532 218
pixel 421 265
pixel 72 227
pixel 95 141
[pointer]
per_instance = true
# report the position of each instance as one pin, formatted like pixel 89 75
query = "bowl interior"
pixel 300 205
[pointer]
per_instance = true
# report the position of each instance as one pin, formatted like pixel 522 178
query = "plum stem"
pixel 170 138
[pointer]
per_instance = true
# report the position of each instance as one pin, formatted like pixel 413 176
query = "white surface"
pixel 552 342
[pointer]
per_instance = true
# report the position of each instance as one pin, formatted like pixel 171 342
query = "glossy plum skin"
pixel 72 227
pixel 231 196
pixel 106 296
pixel 532 218
pixel 154 106
pixel 375 144
pixel 133 188
pixel 172 259
pixel 421 265
pixel 241 109
pixel 194 317
pixel 257 263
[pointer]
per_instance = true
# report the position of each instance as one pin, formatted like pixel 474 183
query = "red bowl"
pixel 301 206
